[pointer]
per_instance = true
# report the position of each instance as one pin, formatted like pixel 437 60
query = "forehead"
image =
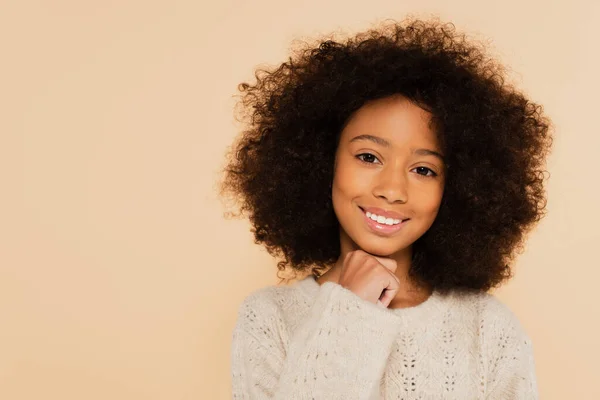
pixel 394 118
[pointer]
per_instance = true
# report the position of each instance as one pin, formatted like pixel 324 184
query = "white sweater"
pixel 322 342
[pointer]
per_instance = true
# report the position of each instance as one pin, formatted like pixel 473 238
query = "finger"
pixel 387 296
pixel 395 277
pixel 387 262
pixel 390 271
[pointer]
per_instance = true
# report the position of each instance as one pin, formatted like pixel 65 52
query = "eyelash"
pixel 369 154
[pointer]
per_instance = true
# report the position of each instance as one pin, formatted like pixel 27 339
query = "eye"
pixel 366 158
pixel 426 170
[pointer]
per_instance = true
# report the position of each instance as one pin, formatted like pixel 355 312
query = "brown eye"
pixel 426 170
pixel 366 158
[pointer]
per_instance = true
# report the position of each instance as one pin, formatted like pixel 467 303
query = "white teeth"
pixel 383 220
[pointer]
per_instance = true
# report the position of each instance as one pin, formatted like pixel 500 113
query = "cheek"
pixel 429 201
pixel 348 179
pixel 346 188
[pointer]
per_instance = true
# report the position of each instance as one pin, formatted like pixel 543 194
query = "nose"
pixel 392 185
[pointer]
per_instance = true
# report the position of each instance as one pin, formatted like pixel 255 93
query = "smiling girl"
pixel 402 173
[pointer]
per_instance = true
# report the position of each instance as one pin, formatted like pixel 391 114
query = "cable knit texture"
pixel 322 342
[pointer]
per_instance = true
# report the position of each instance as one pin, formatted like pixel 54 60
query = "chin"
pixel 379 249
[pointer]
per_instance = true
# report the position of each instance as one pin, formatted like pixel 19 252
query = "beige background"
pixel 119 277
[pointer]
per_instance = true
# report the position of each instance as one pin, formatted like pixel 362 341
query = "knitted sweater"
pixel 324 342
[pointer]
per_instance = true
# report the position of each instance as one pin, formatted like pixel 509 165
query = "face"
pixel 386 165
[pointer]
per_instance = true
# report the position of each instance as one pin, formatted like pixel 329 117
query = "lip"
pixel 382 229
pixel 384 213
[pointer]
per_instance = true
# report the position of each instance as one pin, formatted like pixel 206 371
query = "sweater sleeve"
pixel 509 349
pixel 338 352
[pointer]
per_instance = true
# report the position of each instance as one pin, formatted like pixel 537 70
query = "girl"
pixel 402 173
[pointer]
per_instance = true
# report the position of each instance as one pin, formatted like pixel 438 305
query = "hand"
pixel 371 278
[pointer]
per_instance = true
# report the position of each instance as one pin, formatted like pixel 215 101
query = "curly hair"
pixel 496 142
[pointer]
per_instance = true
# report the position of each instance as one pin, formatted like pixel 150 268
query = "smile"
pixel 382 225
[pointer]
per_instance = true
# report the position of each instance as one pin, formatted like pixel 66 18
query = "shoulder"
pixel 496 315
pixel 272 308
pixel 503 344
pixel 488 309
pixel 501 333
pixel 277 298
pixel 264 302
pixel 495 323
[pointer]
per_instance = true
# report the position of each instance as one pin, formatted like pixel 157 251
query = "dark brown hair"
pixel 495 140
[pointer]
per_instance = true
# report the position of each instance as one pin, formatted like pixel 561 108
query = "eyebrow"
pixel 382 142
